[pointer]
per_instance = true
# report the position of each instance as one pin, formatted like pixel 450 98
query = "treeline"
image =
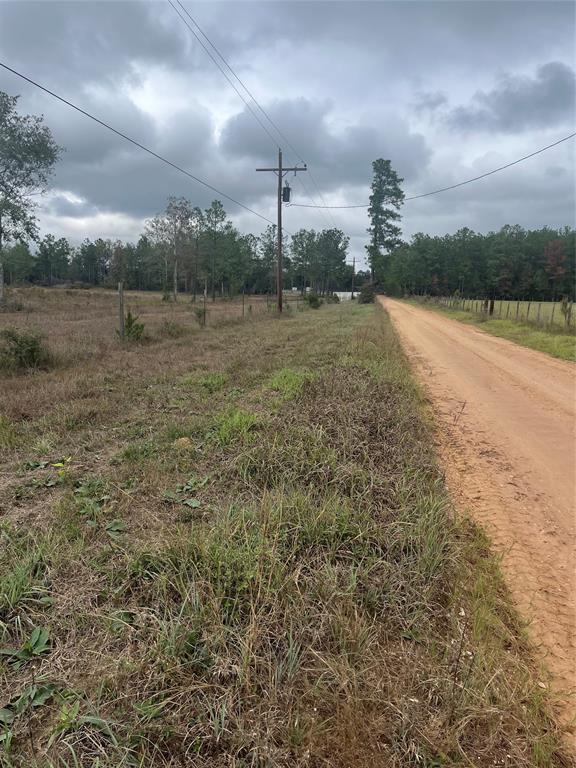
pixel 188 249
pixel 518 263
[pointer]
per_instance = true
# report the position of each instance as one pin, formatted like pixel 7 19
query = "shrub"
pixel 133 330
pixel 314 301
pixel 172 330
pixel 332 298
pixel 367 294
pixel 23 351
pixel 200 313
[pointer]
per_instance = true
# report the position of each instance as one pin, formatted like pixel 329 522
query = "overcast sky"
pixel 445 90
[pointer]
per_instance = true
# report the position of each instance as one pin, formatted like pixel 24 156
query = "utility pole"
pixel 353 275
pixel 281 172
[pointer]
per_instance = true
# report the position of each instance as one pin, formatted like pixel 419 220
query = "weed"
pixel 213 382
pixel 235 425
pixel 172 330
pixel 23 351
pixel 288 382
pixel 133 330
pixel 37 644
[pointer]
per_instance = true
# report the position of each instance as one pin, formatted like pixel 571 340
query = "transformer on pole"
pixel 283 196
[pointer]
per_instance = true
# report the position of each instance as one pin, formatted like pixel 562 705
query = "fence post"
pixel 507 308
pixel 552 316
pixel 528 311
pixel 538 315
pixel 122 329
pixel 517 308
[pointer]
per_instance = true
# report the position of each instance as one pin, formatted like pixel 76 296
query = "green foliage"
pixel 37 644
pixel 513 263
pixel 23 351
pixel 234 425
pixel 133 330
pixel 288 381
pixel 385 202
pixel 213 381
pixel 27 155
pixel 200 313
pixel 313 300
pixel 367 294
pixel 318 260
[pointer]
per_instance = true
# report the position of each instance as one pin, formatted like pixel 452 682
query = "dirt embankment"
pixel 507 440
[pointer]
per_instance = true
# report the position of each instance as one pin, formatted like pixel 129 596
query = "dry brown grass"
pixel 250 560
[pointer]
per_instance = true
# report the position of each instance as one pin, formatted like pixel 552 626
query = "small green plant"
pixel 289 382
pixel 23 351
pixel 133 330
pixel 172 330
pixel 234 425
pixel 37 644
pixel 184 493
pixel 70 719
pixel 213 382
pixel 115 528
pixel 367 294
pixel 200 313
pixel 32 697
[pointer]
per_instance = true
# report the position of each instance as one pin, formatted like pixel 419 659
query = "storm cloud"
pixel 520 103
pixel 445 90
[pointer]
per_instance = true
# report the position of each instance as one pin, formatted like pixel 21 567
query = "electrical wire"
pixel 135 142
pixel 264 112
pixel 453 186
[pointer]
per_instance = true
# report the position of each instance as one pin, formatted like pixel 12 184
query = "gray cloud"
pixel 522 103
pixel 430 102
pixel 347 82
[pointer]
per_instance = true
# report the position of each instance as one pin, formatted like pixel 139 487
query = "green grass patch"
pixel 234 425
pixel 288 381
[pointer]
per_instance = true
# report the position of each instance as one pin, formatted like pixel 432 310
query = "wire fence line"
pixel 544 314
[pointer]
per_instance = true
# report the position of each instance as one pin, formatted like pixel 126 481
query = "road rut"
pixel 507 440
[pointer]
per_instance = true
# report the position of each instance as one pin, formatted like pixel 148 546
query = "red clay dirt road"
pixel 507 441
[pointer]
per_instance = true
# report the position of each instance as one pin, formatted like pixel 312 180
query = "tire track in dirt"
pixel 506 438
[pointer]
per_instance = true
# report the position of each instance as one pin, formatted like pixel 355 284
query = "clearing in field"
pixel 232 546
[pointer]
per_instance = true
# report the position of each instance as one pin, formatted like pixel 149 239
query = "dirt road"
pixel 508 444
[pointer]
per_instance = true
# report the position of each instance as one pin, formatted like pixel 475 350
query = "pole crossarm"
pixel 295 169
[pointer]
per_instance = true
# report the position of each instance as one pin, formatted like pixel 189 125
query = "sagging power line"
pixel 199 31
pixel 135 143
pixel 452 186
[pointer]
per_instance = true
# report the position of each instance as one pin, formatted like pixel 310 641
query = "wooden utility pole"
pixel 281 172
pixel 121 320
pixel 353 275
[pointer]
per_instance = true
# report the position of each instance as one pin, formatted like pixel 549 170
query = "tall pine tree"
pixel 385 202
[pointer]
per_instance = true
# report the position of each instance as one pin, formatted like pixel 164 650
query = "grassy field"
pixel 233 547
pixel 554 339
pixel 82 323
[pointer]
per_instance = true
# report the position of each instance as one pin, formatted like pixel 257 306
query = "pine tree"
pixel 385 202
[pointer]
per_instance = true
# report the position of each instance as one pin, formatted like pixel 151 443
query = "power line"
pixel 136 143
pixel 251 96
pixel 453 186
pixel 215 61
